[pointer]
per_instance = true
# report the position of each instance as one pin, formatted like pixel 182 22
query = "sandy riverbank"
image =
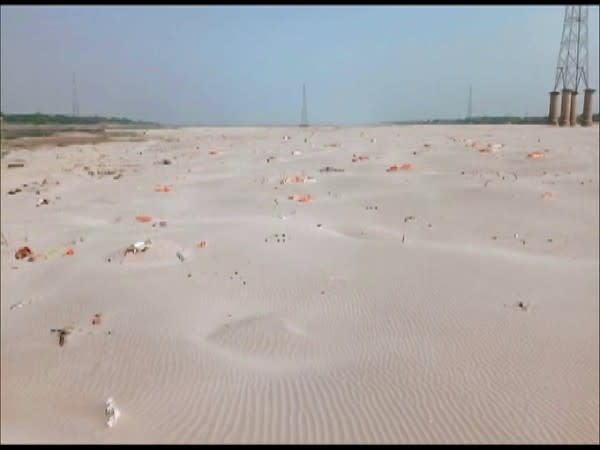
pixel 383 310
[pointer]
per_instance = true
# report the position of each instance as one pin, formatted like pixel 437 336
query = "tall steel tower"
pixel 75 101
pixel 572 68
pixel 304 114
pixel 470 105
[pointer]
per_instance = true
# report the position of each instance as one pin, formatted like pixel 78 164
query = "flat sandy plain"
pixel 449 303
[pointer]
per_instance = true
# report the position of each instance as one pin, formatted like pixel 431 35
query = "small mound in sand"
pixel 266 337
pixel 160 252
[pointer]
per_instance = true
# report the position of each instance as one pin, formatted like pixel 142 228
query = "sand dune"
pixel 449 303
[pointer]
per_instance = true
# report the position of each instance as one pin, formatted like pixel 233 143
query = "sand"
pixel 385 310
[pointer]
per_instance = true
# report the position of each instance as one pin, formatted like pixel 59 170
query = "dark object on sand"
pixel 15 165
pixel 62 334
pixel 166 162
pixel 161 224
pixel 23 252
pixel 14 191
pixel 330 169
pixel 140 246
pixel 522 305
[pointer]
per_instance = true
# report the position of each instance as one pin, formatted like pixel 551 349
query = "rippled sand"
pixel 385 310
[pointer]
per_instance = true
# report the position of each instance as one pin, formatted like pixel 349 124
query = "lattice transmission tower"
pixel 304 113
pixel 470 104
pixel 75 100
pixel 572 66
pixel 572 70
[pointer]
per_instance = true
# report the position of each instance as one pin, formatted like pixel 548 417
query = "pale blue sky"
pixel 245 65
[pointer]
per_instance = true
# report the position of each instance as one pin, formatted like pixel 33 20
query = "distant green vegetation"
pixel 497 120
pixel 61 119
pixel 492 120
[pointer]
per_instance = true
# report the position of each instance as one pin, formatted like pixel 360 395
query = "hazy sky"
pixel 246 65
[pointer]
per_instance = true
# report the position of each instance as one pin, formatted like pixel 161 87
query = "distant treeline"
pixel 62 119
pixel 491 120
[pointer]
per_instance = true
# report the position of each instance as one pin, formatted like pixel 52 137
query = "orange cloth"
pixel 536 155
pixel 143 218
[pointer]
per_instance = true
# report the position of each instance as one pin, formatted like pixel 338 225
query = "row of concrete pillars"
pixel 567 116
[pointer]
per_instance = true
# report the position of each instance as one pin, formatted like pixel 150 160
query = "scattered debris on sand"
pixel 397 168
pixel 306 198
pixel 18 305
pixel 105 172
pixel 295 178
pixel 97 320
pixel 23 252
pixel 140 246
pixel 111 413
pixel 356 158
pixel 161 224
pixel 62 334
pixel 330 169
pixel 536 155
pixel 143 218
pixel 279 238
pixel 522 306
